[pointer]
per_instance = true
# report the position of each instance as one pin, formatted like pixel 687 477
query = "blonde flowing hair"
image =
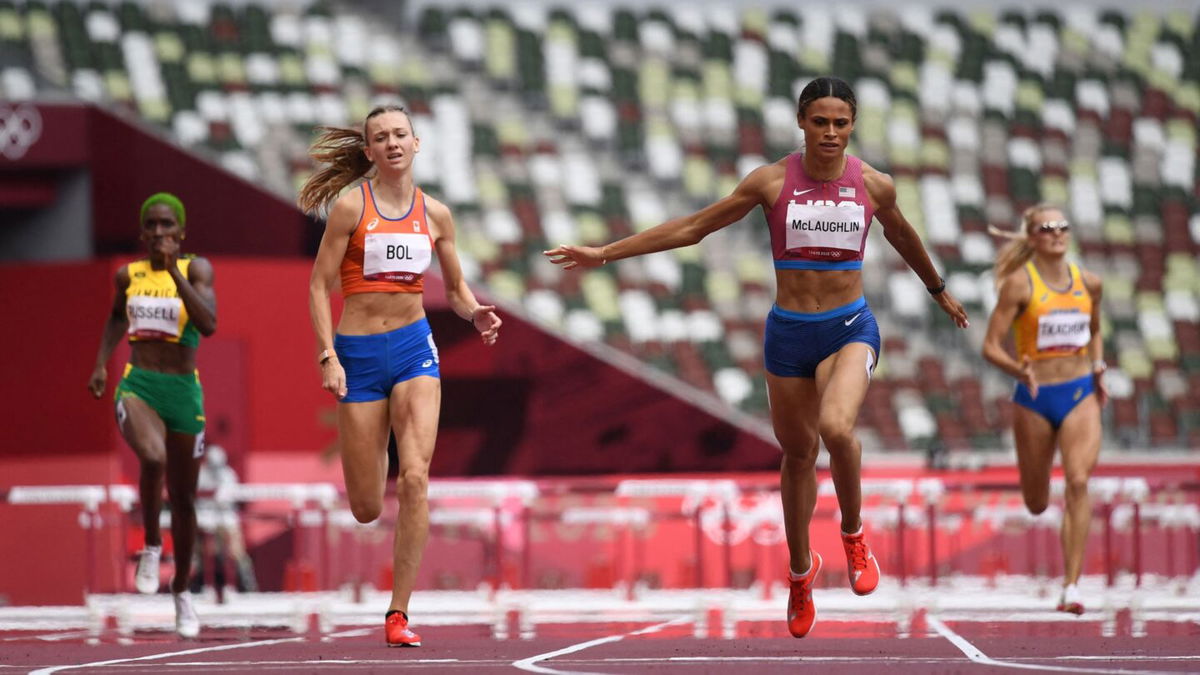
pixel 342 150
pixel 1019 249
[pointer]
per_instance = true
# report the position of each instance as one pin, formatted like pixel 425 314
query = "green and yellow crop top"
pixel 154 308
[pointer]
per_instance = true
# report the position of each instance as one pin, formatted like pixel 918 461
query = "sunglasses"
pixel 1054 226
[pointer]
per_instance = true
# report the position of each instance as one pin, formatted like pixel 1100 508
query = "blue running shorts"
pixel 375 363
pixel 795 342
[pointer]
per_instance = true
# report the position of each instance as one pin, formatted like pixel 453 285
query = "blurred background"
pixel 544 123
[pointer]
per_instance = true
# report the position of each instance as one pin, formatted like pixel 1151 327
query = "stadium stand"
pixel 581 123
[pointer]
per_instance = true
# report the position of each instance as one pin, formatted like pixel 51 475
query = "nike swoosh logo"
pixel 797 193
pixel 371 225
pixel 853 319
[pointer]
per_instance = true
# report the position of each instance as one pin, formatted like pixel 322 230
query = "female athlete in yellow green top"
pixel 165 302
pixel 1053 308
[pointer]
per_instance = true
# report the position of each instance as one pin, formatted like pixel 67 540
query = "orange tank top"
pixel 387 255
pixel 1054 323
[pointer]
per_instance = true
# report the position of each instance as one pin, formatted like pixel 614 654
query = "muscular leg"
pixel 144 431
pixel 842 385
pixel 1035 440
pixel 183 466
pixel 362 435
pixel 415 406
pixel 1079 438
pixel 794 418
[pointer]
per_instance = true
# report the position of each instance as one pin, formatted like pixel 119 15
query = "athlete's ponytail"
pixel 1019 249
pixel 342 150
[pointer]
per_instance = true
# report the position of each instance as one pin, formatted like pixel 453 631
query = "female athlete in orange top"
pixel 383 364
pixel 1053 308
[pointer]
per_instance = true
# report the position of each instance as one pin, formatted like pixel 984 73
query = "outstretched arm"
pixel 458 294
pixel 1013 294
pixel 114 327
pixel 1096 346
pixel 342 219
pixel 674 233
pixel 903 237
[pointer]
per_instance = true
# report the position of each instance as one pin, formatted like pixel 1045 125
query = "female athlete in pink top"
pixel 821 340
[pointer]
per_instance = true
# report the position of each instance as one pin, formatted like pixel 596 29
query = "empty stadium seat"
pixel 584 123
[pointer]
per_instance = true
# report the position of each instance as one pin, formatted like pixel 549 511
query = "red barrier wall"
pixel 532 405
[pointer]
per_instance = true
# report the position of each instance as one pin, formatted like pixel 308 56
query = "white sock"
pixel 793 575
pixel 154 549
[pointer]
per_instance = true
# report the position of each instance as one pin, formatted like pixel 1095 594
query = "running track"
pixel 903 632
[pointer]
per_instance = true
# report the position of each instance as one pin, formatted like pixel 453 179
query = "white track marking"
pixel 51 637
pixel 150 657
pixel 354 632
pixel 325 662
pixel 972 652
pixel 530 663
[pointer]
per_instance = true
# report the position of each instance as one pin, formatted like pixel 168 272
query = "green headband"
pixel 164 198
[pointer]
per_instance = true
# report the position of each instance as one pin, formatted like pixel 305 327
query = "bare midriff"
pixel 812 291
pixel 373 313
pixel 163 357
pixel 1062 368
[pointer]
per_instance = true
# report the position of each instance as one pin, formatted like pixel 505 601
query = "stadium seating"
pixel 581 124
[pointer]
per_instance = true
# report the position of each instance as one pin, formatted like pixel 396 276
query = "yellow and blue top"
pixel 1055 323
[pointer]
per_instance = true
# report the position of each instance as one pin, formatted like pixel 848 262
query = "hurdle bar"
pixel 88 497
pixel 496 494
pixel 694 492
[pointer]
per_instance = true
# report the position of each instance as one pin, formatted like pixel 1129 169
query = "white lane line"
pixel 51 637
pixel 150 657
pixel 894 660
pixel 353 632
pixel 322 662
pixel 972 652
pixel 530 663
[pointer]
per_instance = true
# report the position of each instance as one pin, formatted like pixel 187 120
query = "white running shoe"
pixel 1070 600
pixel 187 624
pixel 146 579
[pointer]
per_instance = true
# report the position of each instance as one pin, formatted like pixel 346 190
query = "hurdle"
pixel 88 497
pixel 695 493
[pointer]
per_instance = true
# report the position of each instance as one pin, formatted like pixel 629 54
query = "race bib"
pixel 825 231
pixel 395 256
pixel 153 318
pixel 1064 331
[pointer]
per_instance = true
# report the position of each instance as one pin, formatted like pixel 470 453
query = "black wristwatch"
pixel 937 289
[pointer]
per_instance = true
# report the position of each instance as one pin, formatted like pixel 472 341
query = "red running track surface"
pixel 835 646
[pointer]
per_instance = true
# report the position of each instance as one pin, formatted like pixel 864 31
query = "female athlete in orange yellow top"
pixel 383 363
pixel 1053 308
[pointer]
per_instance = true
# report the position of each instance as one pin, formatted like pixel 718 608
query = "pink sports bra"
pixel 819 225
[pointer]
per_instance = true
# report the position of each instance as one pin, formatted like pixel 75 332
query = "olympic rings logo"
pixel 20 128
